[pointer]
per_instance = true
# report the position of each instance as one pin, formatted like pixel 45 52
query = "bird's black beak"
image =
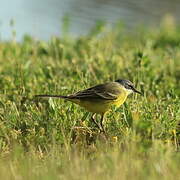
pixel 136 91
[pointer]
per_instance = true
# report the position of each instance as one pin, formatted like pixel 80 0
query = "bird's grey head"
pixel 128 85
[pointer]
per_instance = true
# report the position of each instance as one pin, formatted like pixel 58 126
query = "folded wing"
pixel 108 91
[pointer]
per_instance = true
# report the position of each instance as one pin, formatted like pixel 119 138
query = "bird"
pixel 100 98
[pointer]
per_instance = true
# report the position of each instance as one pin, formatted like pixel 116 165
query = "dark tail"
pixel 52 96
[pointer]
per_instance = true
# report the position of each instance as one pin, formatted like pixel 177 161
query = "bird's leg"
pixel 101 123
pixel 93 119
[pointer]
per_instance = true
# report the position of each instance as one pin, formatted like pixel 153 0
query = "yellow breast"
pixel 120 100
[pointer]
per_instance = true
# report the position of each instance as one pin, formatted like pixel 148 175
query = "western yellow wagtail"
pixel 100 98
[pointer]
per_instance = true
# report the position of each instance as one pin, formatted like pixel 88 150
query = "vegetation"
pixel 54 139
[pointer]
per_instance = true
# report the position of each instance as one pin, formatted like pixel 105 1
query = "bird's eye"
pixel 130 86
pixel 127 86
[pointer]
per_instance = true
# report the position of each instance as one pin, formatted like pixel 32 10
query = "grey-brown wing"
pixel 108 91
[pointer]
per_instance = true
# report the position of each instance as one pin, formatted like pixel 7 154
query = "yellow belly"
pixel 100 106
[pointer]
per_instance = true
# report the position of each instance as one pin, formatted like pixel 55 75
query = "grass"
pixel 53 139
